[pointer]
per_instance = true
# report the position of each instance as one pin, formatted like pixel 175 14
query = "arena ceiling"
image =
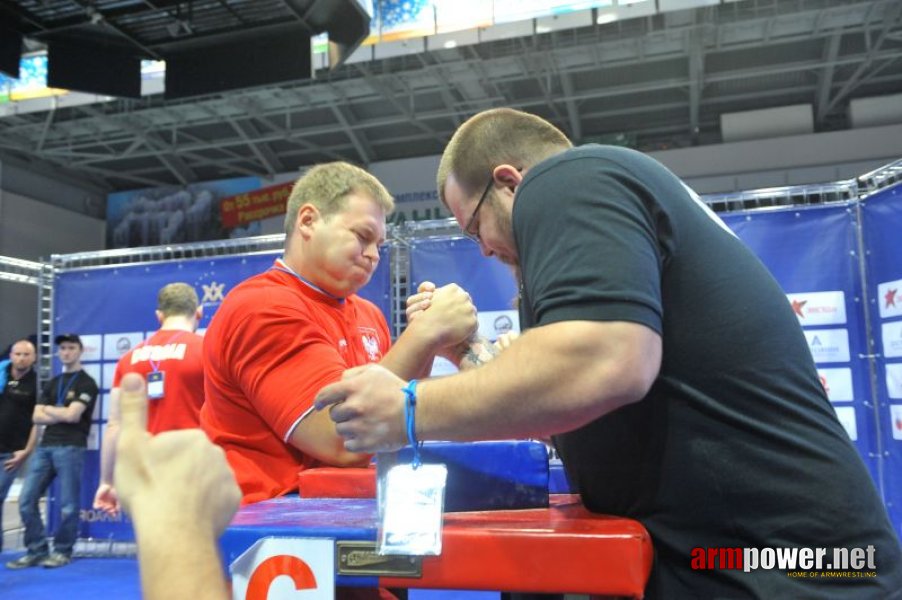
pixel 656 82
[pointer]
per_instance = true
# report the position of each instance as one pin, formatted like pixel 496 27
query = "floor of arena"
pixel 82 579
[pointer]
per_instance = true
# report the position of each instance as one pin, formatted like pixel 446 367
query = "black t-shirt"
pixel 17 402
pixel 736 443
pixel 63 390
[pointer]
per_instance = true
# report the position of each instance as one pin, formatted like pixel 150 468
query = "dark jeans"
pixel 6 480
pixel 65 462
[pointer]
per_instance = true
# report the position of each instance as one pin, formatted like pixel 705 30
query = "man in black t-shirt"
pixel 65 409
pixel 18 394
pixel 665 361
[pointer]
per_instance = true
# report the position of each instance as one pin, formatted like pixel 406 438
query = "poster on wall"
pixel 158 216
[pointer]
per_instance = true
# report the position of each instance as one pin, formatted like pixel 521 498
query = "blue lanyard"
pixel 156 365
pixel 60 392
pixel 281 266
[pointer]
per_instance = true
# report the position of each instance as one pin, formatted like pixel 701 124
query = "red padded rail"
pixel 333 482
pixel 560 548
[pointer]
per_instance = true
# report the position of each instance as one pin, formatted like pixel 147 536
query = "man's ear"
pixel 308 216
pixel 159 315
pixel 508 175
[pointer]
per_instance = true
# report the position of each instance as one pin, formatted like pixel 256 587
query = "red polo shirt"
pixel 272 345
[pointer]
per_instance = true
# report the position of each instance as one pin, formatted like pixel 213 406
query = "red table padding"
pixel 560 548
pixel 333 482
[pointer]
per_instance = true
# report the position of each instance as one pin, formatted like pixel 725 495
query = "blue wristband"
pixel 410 412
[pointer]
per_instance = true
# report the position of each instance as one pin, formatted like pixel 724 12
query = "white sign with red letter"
pixel 285 568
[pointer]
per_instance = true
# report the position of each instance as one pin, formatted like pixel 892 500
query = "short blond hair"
pixel 493 137
pixel 327 187
pixel 177 299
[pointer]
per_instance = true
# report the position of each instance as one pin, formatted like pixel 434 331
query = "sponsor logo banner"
pixel 828 345
pixel 889 295
pixel 117 344
pixel 894 380
pixel 896 413
pixel 891 333
pixel 846 415
pixel 819 308
pixel 838 384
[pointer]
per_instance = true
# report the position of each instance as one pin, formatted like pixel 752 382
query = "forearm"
pixel 32 440
pixel 412 354
pixel 177 561
pixel 555 379
pixel 475 353
pixel 41 416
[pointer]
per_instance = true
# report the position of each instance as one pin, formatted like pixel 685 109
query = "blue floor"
pixel 82 579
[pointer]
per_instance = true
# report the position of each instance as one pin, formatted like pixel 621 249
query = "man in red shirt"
pixel 282 335
pixel 171 362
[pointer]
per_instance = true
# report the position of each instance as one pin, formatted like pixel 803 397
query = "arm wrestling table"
pixel 562 548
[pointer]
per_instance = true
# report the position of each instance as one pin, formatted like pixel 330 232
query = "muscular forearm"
pixel 412 354
pixel 554 379
pixel 474 353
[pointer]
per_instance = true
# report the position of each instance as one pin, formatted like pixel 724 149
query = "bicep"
pixel 612 360
pixel 280 375
pixel 316 437
pixel 75 410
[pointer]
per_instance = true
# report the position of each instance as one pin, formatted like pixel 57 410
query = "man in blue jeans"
pixel 18 394
pixel 65 409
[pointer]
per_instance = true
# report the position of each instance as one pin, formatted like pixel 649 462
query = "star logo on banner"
pixel 213 292
pixel 824 383
pixel 797 306
pixel 890 298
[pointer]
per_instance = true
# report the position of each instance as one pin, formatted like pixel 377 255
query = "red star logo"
pixel 890 298
pixel 797 307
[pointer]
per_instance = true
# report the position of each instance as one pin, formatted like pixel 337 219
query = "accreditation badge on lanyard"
pixel 412 507
pixel 156 388
pixel 156 379
pixel 411 496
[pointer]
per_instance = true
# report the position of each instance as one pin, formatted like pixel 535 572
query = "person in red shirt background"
pixel 171 362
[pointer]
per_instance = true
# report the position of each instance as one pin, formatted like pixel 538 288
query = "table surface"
pixel 562 548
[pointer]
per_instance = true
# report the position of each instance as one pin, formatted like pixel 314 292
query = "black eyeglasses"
pixel 485 194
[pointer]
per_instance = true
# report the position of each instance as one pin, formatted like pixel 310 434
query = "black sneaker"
pixel 55 560
pixel 27 560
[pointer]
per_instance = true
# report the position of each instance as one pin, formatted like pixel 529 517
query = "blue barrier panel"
pixel 882 220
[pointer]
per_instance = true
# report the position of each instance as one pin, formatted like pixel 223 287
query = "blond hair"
pixel 493 137
pixel 328 185
pixel 177 299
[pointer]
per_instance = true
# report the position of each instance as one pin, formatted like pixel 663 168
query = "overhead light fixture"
pixel 606 17
pixel 450 44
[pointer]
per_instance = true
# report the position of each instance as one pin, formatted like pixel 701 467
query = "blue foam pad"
pixel 485 475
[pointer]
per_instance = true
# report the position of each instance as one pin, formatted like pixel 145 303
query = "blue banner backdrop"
pixel 813 254
pixel 882 219
pixel 491 284
pixel 112 308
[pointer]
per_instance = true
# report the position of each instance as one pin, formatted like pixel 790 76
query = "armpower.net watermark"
pixel 823 563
